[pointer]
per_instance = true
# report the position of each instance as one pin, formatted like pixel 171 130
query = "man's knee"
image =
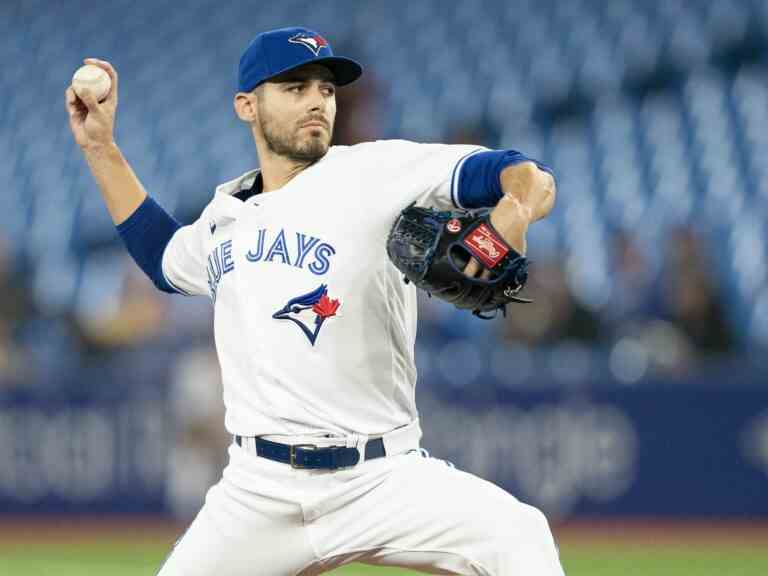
pixel 523 542
pixel 538 523
pixel 520 522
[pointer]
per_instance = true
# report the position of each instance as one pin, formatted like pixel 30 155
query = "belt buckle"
pixel 293 454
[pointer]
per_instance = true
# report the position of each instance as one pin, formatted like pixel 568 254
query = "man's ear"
pixel 245 106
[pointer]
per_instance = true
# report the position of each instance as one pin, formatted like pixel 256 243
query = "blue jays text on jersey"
pixel 220 260
pixel 290 252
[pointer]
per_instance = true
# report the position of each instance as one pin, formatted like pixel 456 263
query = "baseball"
pixel 93 78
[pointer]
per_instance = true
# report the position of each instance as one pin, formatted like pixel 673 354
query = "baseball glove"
pixel 432 248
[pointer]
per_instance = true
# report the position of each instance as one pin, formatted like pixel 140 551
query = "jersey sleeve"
pixel 427 174
pixel 183 261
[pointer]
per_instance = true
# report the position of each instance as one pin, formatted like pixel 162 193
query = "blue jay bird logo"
pixel 314 42
pixel 309 311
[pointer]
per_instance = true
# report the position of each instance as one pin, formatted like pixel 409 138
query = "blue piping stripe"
pixel 455 177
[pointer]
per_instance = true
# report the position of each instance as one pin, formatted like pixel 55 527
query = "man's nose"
pixel 317 101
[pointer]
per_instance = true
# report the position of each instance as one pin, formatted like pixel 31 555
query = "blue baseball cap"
pixel 277 51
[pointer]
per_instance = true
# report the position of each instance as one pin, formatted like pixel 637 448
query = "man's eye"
pixel 295 89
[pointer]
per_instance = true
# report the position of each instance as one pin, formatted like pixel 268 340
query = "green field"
pixel 657 551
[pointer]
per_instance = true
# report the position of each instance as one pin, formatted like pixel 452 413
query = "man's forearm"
pixel 528 196
pixel 121 189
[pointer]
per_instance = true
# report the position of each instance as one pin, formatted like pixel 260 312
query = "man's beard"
pixel 288 145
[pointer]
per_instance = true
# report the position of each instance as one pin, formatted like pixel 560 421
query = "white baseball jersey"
pixel 314 326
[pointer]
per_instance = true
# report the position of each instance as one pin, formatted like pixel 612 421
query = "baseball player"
pixel 315 331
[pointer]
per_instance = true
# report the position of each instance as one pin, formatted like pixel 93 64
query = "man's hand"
pixel 93 126
pixel 92 122
pixel 529 195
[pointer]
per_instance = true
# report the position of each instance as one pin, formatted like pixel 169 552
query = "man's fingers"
pixel 69 100
pixel 87 97
pixel 472 268
pixel 74 106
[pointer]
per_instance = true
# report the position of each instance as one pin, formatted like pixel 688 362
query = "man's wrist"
pixel 102 151
pixel 510 207
pixel 511 220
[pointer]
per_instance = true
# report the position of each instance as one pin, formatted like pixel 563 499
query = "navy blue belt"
pixel 312 457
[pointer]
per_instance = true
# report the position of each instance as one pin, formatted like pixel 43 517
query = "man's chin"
pixel 313 149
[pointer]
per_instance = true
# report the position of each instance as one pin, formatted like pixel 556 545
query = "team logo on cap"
pixel 314 42
pixel 309 311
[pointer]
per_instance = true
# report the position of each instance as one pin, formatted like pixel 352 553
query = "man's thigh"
pixel 238 533
pixel 432 517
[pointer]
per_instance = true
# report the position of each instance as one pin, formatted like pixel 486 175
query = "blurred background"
pixel 629 402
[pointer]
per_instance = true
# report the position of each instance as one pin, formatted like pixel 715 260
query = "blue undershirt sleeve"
pixel 145 234
pixel 479 183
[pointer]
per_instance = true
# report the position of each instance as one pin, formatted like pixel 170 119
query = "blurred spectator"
pixel 471 133
pixel 691 297
pixel 633 296
pixel 555 314
pixel 671 321
pixel 359 108
pixel 651 346
pixel 191 319
pixel 16 310
pixel 199 452
pixel 130 312
pixel 633 316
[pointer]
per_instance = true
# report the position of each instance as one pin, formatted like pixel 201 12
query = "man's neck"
pixel 277 171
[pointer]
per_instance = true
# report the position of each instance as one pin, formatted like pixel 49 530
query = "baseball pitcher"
pixel 315 328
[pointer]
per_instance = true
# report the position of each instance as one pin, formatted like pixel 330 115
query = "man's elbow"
pixel 548 188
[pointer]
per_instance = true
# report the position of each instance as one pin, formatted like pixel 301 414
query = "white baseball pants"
pixel 265 518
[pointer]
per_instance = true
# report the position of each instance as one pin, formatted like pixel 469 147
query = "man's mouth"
pixel 314 124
